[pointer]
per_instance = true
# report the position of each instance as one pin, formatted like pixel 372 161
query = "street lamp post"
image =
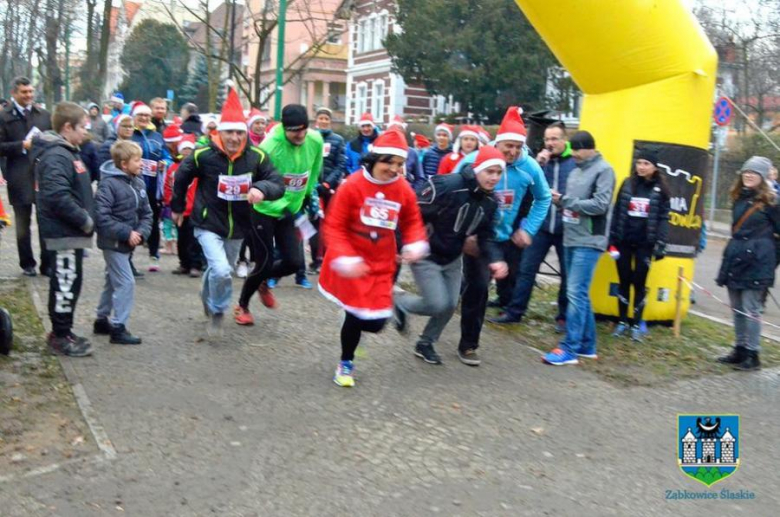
pixel 280 60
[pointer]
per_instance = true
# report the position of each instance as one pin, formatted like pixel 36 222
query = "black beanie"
pixel 582 140
pixel 294 117
pixel 650 155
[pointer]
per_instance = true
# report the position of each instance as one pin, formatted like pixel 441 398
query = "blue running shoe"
pixel 620 329
pixel 643 327
pixel 560 357
pixel 271 283
pixel 304 283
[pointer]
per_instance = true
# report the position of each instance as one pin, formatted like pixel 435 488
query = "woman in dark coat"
pixel 750 259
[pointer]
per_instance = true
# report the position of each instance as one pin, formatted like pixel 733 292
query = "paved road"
pixel 252 424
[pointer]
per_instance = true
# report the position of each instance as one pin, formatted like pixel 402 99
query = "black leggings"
pixel 351 331
pixel 264 233
pixel 641 257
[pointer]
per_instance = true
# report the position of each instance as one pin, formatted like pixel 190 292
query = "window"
pixel 370 41
pixel 361 100
pixel 378 100
pixel 338 96
pixel 362 47
pixel 381 32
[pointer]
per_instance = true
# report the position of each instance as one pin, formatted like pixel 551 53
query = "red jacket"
pixel 360 226
pixel 449 162
pixel 170 175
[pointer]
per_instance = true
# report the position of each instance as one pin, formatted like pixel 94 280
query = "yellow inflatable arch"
pixel 648 74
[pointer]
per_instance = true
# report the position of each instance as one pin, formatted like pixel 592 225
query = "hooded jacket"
pixel 357 149
pixel 64 198
pixel 298 165
pixel 154 152
pixel 216 209
pixel 334 158
pixel 587 205
pixel 121 206
pixel 98 127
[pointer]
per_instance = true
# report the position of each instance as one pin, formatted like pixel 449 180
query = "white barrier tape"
pixel 692 285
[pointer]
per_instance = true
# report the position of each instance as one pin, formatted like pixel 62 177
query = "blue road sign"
pixel 723 112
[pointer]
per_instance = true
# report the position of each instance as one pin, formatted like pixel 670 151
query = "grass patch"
pixel 659 359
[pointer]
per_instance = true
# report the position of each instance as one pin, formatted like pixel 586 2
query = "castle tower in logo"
pixel 707 448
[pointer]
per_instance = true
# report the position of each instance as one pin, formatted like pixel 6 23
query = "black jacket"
pixel 454 207
pixel 750 257
pixel 104 152
pixel 121 206
pixel 655 229
pixel 193 125
pixel 89 155
pixel 64 197
pixel 228 219
pixel 334 158
pixel 18 171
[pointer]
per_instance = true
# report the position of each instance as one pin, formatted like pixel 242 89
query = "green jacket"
pixel 298 165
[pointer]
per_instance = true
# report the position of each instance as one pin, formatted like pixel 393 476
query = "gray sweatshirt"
pixel 587 205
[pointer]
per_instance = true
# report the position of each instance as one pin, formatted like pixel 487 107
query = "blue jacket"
pixel 154 149
pixel 413 166
pixel 430 164
pixel 334 158
pixel 557 170
pixel 519 177
pixel 358 148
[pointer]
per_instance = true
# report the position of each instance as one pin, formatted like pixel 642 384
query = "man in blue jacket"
pixel 558 163
pixel 358 147
pixel 511 232
pixel 432 156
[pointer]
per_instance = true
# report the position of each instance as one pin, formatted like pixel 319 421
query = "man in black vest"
pixel 20 121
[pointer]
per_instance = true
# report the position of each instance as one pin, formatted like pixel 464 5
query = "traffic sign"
pixel 723 112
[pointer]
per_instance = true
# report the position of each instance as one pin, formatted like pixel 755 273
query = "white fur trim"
pixel 390 150
pixel 361 312
pixel 489 163
pixel 366 123
pixel 375 181
pixel 174 139
pixel 443 128
pixel 468 133
pixel 228 126
pixel 516 137
pixel 116 99
pixel 421 246
pixel 185 145
pixel 142 110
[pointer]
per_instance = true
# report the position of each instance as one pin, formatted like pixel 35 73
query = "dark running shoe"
pixel 400 320
pixel 427 353
pixel 469 357
pixel 71 345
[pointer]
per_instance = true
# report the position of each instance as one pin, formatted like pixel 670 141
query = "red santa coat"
pixel 449 162
pixel 360 226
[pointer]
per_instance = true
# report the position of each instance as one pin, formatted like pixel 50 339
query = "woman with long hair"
pixel 750 259
pixel 640 225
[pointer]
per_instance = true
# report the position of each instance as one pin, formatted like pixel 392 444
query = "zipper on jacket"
pixel 553 208
pixel 230 204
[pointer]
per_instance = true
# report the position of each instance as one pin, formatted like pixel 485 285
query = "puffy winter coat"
pixel 154 152
pixel 642 201
pixel 121 207
pixel 750 257
pixel 357 149
pixel 430 164
pixel 334 158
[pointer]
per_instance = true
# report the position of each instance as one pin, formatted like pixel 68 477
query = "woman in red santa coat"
pixel 360 230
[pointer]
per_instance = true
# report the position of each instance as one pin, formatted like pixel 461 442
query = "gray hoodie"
pixel 587 205
pixel 121 206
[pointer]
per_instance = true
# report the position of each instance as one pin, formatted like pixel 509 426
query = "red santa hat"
pixel 177 120
pixel 421 141
pixel 187 142
pixel 512 127
pixel 139 108
pixel 172 133
pixel 256 114
pixel 447 128
pixel 232 117
pixel 484 135
pixel 398 121
pixel 488 156
pixel 366 119
pixel 118 120
pixel 391 142
pixel 467 130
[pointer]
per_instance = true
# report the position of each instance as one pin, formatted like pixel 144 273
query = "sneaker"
pixel 427 353
pixel 620 329
pixel 136 273
pixel 121 336
pixel 636 333
pixel 195 273
pixel 154 266
pixel 243 316
pixel 344 376
pixel 560 357
pixel 643 327
pixel 70 345
pixel 272 283
pixel 242 270
pixel 303 282
pixel 102 327
pixel 400 320
pixel 504 319
pixel 180 271
pixel 314 268
pixel 215 325
pixel 469 357
pixel 588 354
pixel 560 326
pixel 29 271
pixel 266 296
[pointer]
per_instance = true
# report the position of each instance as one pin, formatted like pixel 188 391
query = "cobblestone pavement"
pixel 252 424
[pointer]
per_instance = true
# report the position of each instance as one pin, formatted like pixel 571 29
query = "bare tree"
pixel 21 27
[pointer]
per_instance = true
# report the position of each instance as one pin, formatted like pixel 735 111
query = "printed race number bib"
pixel 506 199
pixel 639 207
pixel 296 182
pixel 234 188
pixel 79 166
pixel 380 213
pixel 571 217
pixel 149 168
pixel 325 149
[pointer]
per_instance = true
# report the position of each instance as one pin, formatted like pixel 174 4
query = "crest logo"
pixel 708 446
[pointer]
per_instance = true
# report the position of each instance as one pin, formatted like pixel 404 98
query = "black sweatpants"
pixel 64 289
pixel 190 253
pixel 633 266
pixel 351 331
pixel 266 231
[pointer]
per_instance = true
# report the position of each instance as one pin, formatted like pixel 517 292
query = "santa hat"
pixel 447 128
pixel 118 120
pixel 484 135
pixel 488 156
pixel 391 142
pixel 468 131
pixel 187 142
pixel 512 127
pixel 421 141
pixel 366 119
pixel 139 108
pixel 232 114
pixel 117 97
pixel 255 114
pixel 177 120
pixel 172 133
pixel 397 121
pixel 208 119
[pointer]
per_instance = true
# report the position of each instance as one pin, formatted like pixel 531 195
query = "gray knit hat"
pixel 757 164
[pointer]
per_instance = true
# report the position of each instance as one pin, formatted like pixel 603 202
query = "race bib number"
pixel 506 199
pixel 79 166
pixel 380 213
pixel 325 149
pixel 149 168
pixel 639 207
pixel 296 182
pixel 234 188
pixel 570 216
